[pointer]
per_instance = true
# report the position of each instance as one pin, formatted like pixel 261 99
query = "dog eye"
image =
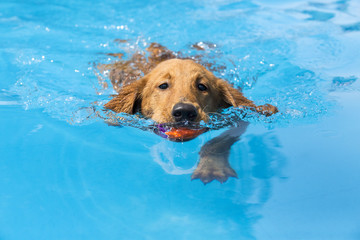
pixel 164 86
pixel 202 87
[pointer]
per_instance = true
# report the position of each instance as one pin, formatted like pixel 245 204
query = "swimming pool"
pixel 65 174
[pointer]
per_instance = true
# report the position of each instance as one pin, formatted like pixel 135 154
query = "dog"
pixel 176 89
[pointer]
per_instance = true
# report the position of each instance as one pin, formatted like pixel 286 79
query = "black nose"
pixel 184 112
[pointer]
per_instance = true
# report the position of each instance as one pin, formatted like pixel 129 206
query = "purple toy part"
pixel 161 130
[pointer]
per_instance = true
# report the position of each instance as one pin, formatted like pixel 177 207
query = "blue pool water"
pixel 65 174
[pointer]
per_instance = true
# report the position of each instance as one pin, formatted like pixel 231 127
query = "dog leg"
pixel 214 156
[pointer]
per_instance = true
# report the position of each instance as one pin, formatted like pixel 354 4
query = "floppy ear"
pixel 233 97
pixel 128 99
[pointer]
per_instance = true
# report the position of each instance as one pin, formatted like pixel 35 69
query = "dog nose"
pixel 184 111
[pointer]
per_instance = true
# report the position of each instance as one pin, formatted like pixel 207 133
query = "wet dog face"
pixel 180 90
pixel 175 91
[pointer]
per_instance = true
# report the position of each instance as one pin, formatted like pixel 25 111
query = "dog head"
pixel 177 90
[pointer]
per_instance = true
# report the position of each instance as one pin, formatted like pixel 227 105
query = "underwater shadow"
pixel 258 161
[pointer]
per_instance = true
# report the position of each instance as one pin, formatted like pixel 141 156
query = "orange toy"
pixel 178 134
pixel 184 134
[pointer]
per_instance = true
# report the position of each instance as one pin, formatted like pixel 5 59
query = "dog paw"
pixel 267 109
pixel 215 171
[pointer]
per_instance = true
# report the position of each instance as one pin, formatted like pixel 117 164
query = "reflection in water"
pixel 265 163
pixel 166 156
pixel 257 160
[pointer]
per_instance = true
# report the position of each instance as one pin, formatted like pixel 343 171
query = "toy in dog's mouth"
pixel 179 133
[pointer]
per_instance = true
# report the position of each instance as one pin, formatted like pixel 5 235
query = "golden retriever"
pixel 177 90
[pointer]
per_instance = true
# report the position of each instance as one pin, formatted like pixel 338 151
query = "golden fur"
pixel 182 76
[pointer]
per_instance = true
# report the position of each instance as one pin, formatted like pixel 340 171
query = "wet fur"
pixel 142 94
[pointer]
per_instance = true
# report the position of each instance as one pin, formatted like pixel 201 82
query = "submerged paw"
pixel 208 175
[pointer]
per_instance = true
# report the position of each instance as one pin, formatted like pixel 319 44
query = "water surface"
pixel 65 174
